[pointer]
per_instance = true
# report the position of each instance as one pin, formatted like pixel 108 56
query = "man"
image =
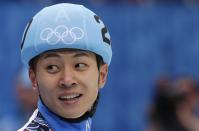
pixel 67 49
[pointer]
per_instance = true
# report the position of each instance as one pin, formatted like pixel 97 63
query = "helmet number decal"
pixel 104 30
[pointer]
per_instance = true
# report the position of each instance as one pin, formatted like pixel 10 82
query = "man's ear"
pixel 103 75
pixel 32 76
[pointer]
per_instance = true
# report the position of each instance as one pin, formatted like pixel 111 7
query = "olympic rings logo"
pixel 61 34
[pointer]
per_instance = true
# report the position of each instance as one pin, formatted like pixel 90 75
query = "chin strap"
pixel 85 116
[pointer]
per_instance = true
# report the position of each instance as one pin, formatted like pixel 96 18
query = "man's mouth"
pixel 70 98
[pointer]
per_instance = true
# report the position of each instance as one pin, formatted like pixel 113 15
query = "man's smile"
pixel 70 98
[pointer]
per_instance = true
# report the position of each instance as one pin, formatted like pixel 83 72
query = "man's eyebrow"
pixel 51 55
pixel 81 54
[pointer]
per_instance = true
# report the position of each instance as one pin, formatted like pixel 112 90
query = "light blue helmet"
pixel 65 26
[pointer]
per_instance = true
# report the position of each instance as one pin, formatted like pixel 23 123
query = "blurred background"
pixel 154 70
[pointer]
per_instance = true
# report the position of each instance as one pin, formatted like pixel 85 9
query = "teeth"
pixel 70 96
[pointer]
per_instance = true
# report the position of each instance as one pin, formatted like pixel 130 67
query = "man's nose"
pixel 68 78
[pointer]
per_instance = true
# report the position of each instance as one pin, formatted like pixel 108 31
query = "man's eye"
pixel 52 68
pixel 81 66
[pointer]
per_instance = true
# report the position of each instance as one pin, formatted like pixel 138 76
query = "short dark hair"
pixel 100 61
pixel 32 63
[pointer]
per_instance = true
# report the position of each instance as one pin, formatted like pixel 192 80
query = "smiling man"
pixel 67 50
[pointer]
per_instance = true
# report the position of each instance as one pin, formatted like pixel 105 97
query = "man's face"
pixel 68 81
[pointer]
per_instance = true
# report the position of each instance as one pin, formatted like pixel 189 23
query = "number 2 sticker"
pixel 104 30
